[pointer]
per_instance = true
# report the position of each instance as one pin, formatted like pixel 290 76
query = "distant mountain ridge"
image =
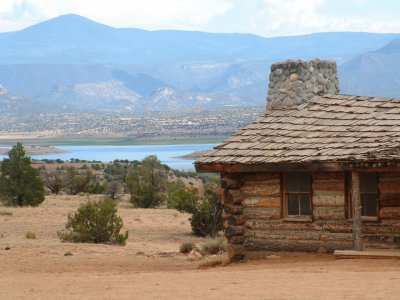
pixel 375 73
pixel 71 63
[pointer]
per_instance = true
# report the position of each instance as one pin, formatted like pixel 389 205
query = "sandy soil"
pixel 150 267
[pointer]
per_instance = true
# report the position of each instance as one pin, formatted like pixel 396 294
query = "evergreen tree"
pixel 20 183
pixel 147 182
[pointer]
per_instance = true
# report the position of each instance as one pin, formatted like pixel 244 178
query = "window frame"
pixel 285 195
pixel 349 203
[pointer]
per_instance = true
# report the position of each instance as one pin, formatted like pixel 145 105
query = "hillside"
pixel 374 73
pixel 72 64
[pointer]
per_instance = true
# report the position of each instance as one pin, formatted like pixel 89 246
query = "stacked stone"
pixel 295 82
pixel 233 216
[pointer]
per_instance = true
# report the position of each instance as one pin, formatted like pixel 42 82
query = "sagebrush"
pixel 95 222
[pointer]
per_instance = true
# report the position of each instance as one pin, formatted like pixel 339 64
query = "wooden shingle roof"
pixel 328 128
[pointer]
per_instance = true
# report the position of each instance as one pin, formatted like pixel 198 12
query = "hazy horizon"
pixel 267 18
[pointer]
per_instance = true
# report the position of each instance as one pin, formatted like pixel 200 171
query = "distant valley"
pixel 72 64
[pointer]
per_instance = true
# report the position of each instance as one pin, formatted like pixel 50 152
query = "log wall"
pixel 254 220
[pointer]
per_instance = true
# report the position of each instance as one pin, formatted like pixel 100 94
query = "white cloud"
pixel 149 14
pixel 263 17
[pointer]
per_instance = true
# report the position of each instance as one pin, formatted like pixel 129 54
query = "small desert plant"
pixel 5 213
pixel 212 261
pixel 207 215
pixel 30 235
pixel 95 222
pixel 214 245
pixel 186 247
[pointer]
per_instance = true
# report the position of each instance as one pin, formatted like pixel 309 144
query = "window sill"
pixel 297 219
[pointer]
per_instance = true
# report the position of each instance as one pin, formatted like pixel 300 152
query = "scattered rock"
pixel 140 253
pixel 272 256
pixel 7 248
pixel 68 254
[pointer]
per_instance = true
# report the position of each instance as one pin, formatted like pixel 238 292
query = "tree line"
pixel 148 182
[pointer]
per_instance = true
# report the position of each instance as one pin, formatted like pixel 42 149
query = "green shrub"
pixel 184 199
pixel 186 247
pixel 207 219
pixel 94 222
pixel 207 215
pixel 214 245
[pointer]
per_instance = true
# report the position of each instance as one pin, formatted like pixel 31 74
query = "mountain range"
pixel 71 63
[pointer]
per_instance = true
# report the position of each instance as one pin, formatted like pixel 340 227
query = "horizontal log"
pixel 393 176
pixel 234 196
pixel 389 187
pixel 273 213
pixel 235 252
pixel 254 177
pixel 329 226
pixel 294 245
pixel 230 181
pixel 331 193
pixel 233 230
pixel 328 213
pixel 329 185
pixel 389 213
pixel 261 190
pixel 238 240
pixel 234 220
pixel 392 199
pixel 328 200
pixel 298 235
pixel 233 209
pixel 269 201
pixel 327 175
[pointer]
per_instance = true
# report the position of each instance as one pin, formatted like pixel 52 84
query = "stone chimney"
pixel 294 82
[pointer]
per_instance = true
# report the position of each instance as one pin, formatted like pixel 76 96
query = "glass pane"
pixel 368 205
pixel 291 182
pixel 369 182
pixel 304 205
pixel 304 182
pixel 293 205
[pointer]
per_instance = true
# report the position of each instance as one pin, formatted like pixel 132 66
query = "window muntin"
pixel 369 194
pixel 297 194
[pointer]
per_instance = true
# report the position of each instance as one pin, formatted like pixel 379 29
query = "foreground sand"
pixel 150 267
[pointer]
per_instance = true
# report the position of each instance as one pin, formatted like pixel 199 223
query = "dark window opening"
pixel 368 192
pixel 297 189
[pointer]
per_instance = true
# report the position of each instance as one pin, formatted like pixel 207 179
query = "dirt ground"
pixel 150 267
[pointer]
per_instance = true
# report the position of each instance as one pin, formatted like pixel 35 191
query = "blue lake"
pixel 167 154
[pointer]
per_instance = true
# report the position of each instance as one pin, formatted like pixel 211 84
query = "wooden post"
pixel 356 199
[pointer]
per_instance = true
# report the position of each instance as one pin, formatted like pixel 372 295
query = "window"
pixel 368 193
pixel 297 194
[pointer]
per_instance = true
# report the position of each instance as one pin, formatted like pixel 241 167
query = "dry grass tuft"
pixel 215 245
pixel 186 247
pixel 30 235
pixel 213 261
pixel 5 213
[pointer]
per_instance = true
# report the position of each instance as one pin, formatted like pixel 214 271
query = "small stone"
pixel 293 77
pixel 278 72
pixel 68 254
pixel 140 253
pixel 7 248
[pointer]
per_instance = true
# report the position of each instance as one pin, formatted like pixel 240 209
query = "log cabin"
pixel 318 172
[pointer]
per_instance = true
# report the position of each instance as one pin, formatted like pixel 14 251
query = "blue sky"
pixel 262 17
